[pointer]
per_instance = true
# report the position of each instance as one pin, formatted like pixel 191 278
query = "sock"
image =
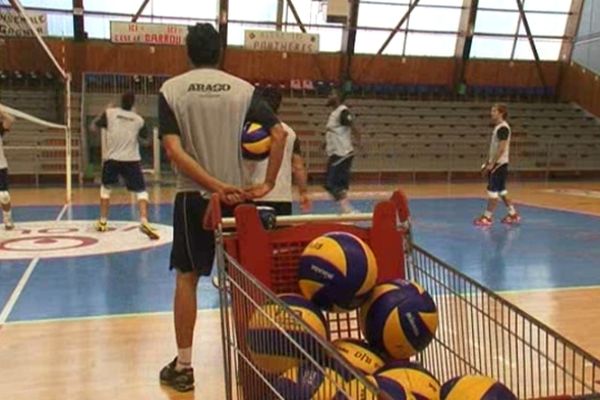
pixel 184 359
pixel 511 210
pixel 144 220
pixel 7 216
pixel 487 214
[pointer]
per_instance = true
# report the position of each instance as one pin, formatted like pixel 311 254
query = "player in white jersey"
pixel 201 115
pixel 124 129
pixel 340 150
pixel 496 169
pixel 292 165
pixel 6 122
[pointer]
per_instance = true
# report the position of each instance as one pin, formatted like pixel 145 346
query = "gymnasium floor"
pixel 87 316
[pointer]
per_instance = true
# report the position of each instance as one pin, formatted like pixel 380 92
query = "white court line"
pixel 23 281
pixel 211 312
pixel 62 212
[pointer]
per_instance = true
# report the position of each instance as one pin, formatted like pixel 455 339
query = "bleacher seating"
pixel 445 136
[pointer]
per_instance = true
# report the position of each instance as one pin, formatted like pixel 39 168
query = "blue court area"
pixel 550 249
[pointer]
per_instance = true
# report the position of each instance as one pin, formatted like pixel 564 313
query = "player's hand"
pixel 258 191
pixel 230 194
pixel 305 203
pixel 484 169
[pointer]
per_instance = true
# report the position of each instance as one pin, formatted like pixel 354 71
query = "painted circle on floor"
pixel 52 239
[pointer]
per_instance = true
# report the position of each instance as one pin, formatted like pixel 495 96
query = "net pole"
pixel 67 79
pixel 68 140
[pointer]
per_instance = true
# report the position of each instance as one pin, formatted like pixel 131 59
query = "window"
pixel 369 42
pixel 488 47
pixel 263 10
pixel 53 4
pixel 545 24
pixel 434 19
pixel 496 22
pixel 548 49
pixel 430 44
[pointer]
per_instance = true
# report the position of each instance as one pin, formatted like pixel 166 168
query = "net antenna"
pixel 67 79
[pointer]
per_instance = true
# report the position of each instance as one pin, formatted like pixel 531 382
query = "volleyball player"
pixel 292 165
pixel 496 169
pixel 124 129
pixel 340 151
pixel 6 122
pixel 201 115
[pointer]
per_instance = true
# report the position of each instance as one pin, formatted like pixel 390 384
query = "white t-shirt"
pixel 338 136
pixel 123 129
pixel 501 132
pixel 257 170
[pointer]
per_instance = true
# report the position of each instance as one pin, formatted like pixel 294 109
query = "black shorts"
pixel 131 171
pixel 497 179
pixel 193 247
pixel 338 175
pixel 4 180
pixel 281 207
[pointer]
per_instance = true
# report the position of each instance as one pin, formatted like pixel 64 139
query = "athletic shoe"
pixel 483 221
pixel 511 219
pixel 9 225
pixel 149 231
pixel 101 226
pixel 182 381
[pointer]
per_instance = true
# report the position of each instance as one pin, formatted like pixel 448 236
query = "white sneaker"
pixel 9 225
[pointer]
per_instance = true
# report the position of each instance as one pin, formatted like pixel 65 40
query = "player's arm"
pixel 300 176
pixel 7 120
pixel 170 135
pixel 99 122
pixel 260 112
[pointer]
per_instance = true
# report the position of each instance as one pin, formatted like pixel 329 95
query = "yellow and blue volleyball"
pixel 475 387
pixel 337 271
pixel 414 379
pixel 400 318
pixel 359 355
pixel 309 382
pixel 389 389
pixel 256 141
pixel 269 348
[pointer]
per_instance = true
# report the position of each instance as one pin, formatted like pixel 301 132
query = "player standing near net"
pixel 6 122
pixel 496 169
pixel 201 115
pixel 292 165
pixel 339 148
pixel 124 129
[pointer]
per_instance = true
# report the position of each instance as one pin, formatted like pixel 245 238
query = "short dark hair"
pixel 127 100
pixel 203 44
pixel 272 96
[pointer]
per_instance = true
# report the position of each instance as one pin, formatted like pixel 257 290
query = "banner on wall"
pixel 293 42
pixel 146 33
pixel 13 24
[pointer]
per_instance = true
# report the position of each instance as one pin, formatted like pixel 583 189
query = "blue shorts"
pixel 4 180
pixel 497 179
pixel 130 171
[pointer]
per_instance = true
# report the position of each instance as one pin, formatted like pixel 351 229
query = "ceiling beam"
pixel 140 10
pixel 531 43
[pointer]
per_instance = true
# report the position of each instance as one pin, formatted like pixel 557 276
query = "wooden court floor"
pixel 119 357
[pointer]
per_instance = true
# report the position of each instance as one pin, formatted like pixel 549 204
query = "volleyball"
pixel 389 389
pixel 269 348
pixel 399 318
pixel 337 271
pixel 475 387
pixel 256 142
pixel 308 382
pixel 414 378
pixel 359 355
